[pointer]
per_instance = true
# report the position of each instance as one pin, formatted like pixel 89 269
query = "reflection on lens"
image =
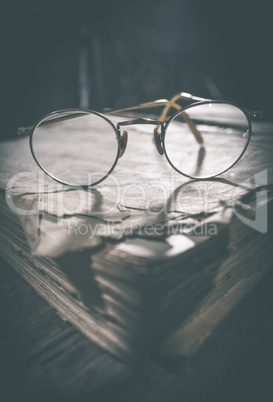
pixel 224 129
pixel 76 147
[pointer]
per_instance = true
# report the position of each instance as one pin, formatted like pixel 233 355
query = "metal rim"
pixel 87 111
pixel 198 104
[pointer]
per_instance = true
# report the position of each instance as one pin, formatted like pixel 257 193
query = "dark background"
pixel 116 53
pixel 133 51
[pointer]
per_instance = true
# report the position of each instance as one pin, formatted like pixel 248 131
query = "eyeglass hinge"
pixel 24 130
pixel 254 114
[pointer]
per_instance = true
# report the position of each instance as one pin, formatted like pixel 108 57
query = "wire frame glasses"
pixel 82 147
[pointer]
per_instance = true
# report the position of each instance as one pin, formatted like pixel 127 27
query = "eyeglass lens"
pixel 78 148
pixel 225 132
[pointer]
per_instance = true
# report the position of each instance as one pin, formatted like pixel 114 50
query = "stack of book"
pixel 134 291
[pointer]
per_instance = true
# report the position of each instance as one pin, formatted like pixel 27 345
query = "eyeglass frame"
pixel 159 137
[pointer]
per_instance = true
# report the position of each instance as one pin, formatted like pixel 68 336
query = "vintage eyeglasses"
pixel 81 147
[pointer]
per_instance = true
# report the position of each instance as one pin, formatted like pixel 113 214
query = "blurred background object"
pixel 93 54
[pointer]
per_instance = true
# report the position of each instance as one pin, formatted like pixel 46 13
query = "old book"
pixel 140 275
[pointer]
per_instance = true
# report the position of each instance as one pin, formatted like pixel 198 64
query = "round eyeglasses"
pixel 82 147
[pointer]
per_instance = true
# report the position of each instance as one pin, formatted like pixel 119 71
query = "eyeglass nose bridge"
pixel 124 136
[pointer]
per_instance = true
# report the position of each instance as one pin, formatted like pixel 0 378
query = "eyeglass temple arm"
pixel 161 102
pixel 55 116
pixel 252 114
